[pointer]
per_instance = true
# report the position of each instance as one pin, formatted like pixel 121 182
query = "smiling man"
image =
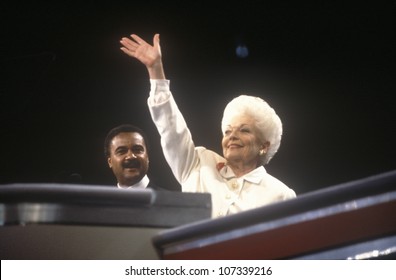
pixel 126 151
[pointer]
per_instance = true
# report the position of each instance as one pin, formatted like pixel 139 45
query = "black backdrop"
pixel 327 69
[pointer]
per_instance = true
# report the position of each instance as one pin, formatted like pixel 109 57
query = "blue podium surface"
pixel 354 220
pixel 61 221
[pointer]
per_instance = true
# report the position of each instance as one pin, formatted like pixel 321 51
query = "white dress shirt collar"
pixel 142 184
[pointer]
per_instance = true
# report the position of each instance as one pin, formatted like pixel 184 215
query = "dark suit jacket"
pixel 153 186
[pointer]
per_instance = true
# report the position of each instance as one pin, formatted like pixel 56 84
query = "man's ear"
pixel 109 162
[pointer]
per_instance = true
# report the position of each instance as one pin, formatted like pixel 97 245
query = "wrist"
pixel 156 71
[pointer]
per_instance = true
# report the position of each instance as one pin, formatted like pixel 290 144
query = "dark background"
pixel 327 69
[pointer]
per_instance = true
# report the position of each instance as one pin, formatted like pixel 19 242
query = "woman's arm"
pixel 176 140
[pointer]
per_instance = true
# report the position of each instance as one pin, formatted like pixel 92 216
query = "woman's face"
pixel 241 143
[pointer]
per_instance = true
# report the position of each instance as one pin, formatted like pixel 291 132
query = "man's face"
pixel 128 158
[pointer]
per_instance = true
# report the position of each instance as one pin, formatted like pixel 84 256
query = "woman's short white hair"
pixel 268 122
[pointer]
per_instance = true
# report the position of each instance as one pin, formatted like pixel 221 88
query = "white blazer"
pixel 198 169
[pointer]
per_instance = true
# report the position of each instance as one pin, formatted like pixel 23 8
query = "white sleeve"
pixel 176 141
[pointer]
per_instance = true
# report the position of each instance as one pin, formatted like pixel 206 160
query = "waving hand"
pixel 149 55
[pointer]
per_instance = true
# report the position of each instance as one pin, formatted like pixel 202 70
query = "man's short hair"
pixel 120 129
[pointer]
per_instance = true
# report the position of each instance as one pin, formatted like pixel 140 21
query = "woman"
pixel 251 129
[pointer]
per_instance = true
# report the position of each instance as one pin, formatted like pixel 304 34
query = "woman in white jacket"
pixel 252 131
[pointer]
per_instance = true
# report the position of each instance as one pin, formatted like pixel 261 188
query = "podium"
pixel 61 221
pixel 354 220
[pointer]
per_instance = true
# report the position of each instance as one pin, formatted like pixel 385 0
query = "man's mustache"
pixel 132 163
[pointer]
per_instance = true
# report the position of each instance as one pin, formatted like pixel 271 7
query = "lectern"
pixel 60 221
pixel 354 220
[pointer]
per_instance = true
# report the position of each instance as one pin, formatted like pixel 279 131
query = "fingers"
pixel 139 40
pixel 156 40
pixel 128 52
pixel 135 44
pixel 129 46
pixel 128 43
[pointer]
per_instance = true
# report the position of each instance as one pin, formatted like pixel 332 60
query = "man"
pixel 126 151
